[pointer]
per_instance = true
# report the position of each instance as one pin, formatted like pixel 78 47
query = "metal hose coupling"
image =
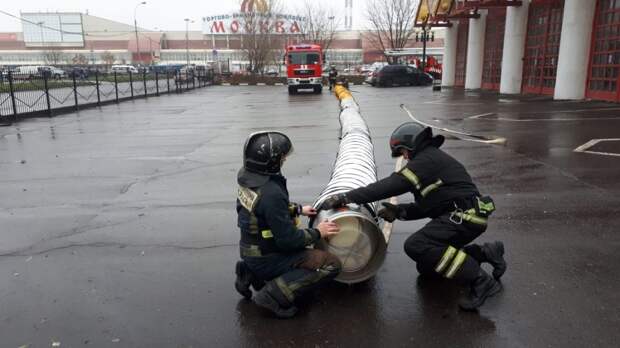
pixel 360 245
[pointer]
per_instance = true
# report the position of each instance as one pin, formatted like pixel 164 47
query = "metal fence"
pixel 41 93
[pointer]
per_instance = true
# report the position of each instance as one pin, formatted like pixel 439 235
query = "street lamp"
pixel 425 36
pixel 187 21
pixel 135 23
pixel 40 24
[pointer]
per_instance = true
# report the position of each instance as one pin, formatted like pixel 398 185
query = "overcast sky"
pixel 161 14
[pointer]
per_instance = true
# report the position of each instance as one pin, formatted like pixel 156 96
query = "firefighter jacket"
pixel 267 220
pixel 439 183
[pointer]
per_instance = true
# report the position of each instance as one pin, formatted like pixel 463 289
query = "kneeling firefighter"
pixel 275 259
pixel 444 192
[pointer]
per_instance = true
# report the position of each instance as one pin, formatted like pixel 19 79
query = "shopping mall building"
pixel 80 38
pixel 568 49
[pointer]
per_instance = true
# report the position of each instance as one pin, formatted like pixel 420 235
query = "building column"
pixel 574 49
pixel 514 48
pixel 475 51
pixel 449 55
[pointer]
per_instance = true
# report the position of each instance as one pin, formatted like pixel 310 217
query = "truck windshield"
pixel 304 58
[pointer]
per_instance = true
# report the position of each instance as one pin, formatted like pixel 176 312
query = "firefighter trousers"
pixel 296 273
pixel 443 248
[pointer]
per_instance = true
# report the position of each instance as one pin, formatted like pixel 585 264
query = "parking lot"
pixel 118 226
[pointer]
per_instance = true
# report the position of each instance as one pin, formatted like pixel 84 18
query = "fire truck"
pixel 304 68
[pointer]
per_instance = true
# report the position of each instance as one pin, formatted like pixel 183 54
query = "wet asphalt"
pixel 118 228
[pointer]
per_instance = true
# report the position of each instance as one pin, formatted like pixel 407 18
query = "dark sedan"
pixel 402 75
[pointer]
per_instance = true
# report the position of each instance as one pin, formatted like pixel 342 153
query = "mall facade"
pixel 107 42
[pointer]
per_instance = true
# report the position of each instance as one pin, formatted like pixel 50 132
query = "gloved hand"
pixel 390 212
pixel 335 201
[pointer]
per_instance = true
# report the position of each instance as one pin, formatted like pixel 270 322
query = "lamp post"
pixel 426 35
pixel 187 21
pixel 135 23
pixel 40 24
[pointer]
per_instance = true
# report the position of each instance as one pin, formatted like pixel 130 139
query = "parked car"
pixel 124 69
pixel 26 72
pixel 166 68
pixel 371 77
pixel 272 72
pixel 78 73
pixel 184 75
pixel 51 72
pixel 402 75
pixel 367 69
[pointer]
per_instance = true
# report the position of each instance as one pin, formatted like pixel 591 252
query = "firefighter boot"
pixel 481 288
pixel 245 278
pixel 494 254
pixel 271 297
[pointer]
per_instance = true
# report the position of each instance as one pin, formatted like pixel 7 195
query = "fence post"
pixel 75 91
pixel 12 89
pixel 47 94
pixel 157 83
pixel 144 79
pixel 168 80
pixel 131 83
pixel 116 86
pixel 97 84
pixel 193 81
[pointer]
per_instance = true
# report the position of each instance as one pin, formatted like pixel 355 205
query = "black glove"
pixel 390 212
pixel 335 201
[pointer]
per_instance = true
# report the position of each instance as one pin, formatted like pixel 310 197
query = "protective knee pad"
pixel 280 291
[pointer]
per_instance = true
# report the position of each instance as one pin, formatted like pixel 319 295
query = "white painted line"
pixel 506 119
pixel 225 84
pixel 584 148
pixel 602 153
pixel 581 110
pixel 480 115
pixel 261 84
pixel 587 145
pixel 279 84
pixel 244 84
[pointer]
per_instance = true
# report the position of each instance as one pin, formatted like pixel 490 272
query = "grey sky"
pixel 162 14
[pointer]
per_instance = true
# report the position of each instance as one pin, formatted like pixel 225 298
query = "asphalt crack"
pixel 116 245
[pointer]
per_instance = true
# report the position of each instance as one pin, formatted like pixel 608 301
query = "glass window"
pixel 304 58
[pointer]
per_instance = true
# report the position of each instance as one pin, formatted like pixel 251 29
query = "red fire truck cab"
pixel 304 68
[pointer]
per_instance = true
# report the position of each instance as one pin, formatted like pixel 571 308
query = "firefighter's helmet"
pixel 413 137
pixel 264 151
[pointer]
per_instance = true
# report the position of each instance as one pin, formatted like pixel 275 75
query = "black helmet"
pixel 413 137
pixel 263 152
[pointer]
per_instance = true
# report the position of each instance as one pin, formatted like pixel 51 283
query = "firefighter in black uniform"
pixel 444 192
pixel 276 260
pixel 333 75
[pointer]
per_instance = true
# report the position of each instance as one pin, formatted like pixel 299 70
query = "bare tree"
pixel 392 23
pixel 108 58
pixel 52 56
pixel 79 59
pixel 320 24
pixel 259 27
